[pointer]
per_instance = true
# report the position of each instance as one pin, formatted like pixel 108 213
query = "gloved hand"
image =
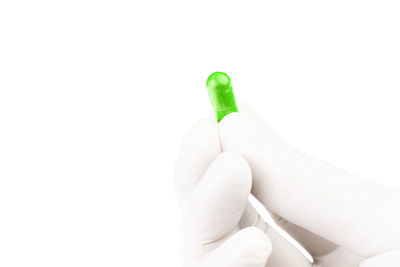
pixel 341 219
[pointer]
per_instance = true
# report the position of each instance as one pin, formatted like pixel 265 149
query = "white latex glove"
pixel 342 220
pixel 213 189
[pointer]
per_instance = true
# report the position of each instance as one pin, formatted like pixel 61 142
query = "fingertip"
pixel 216 204
pixel 234 168
pixel 198 130
pixel 200 146
pixel 244 111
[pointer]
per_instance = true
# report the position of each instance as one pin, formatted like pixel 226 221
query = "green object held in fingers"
pixel 221 94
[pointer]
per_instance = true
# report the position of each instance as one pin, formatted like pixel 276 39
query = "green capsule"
pixel 221 94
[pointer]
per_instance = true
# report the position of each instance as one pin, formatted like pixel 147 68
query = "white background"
pixel 95 97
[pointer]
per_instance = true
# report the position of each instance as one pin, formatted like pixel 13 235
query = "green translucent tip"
pixel 221 94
